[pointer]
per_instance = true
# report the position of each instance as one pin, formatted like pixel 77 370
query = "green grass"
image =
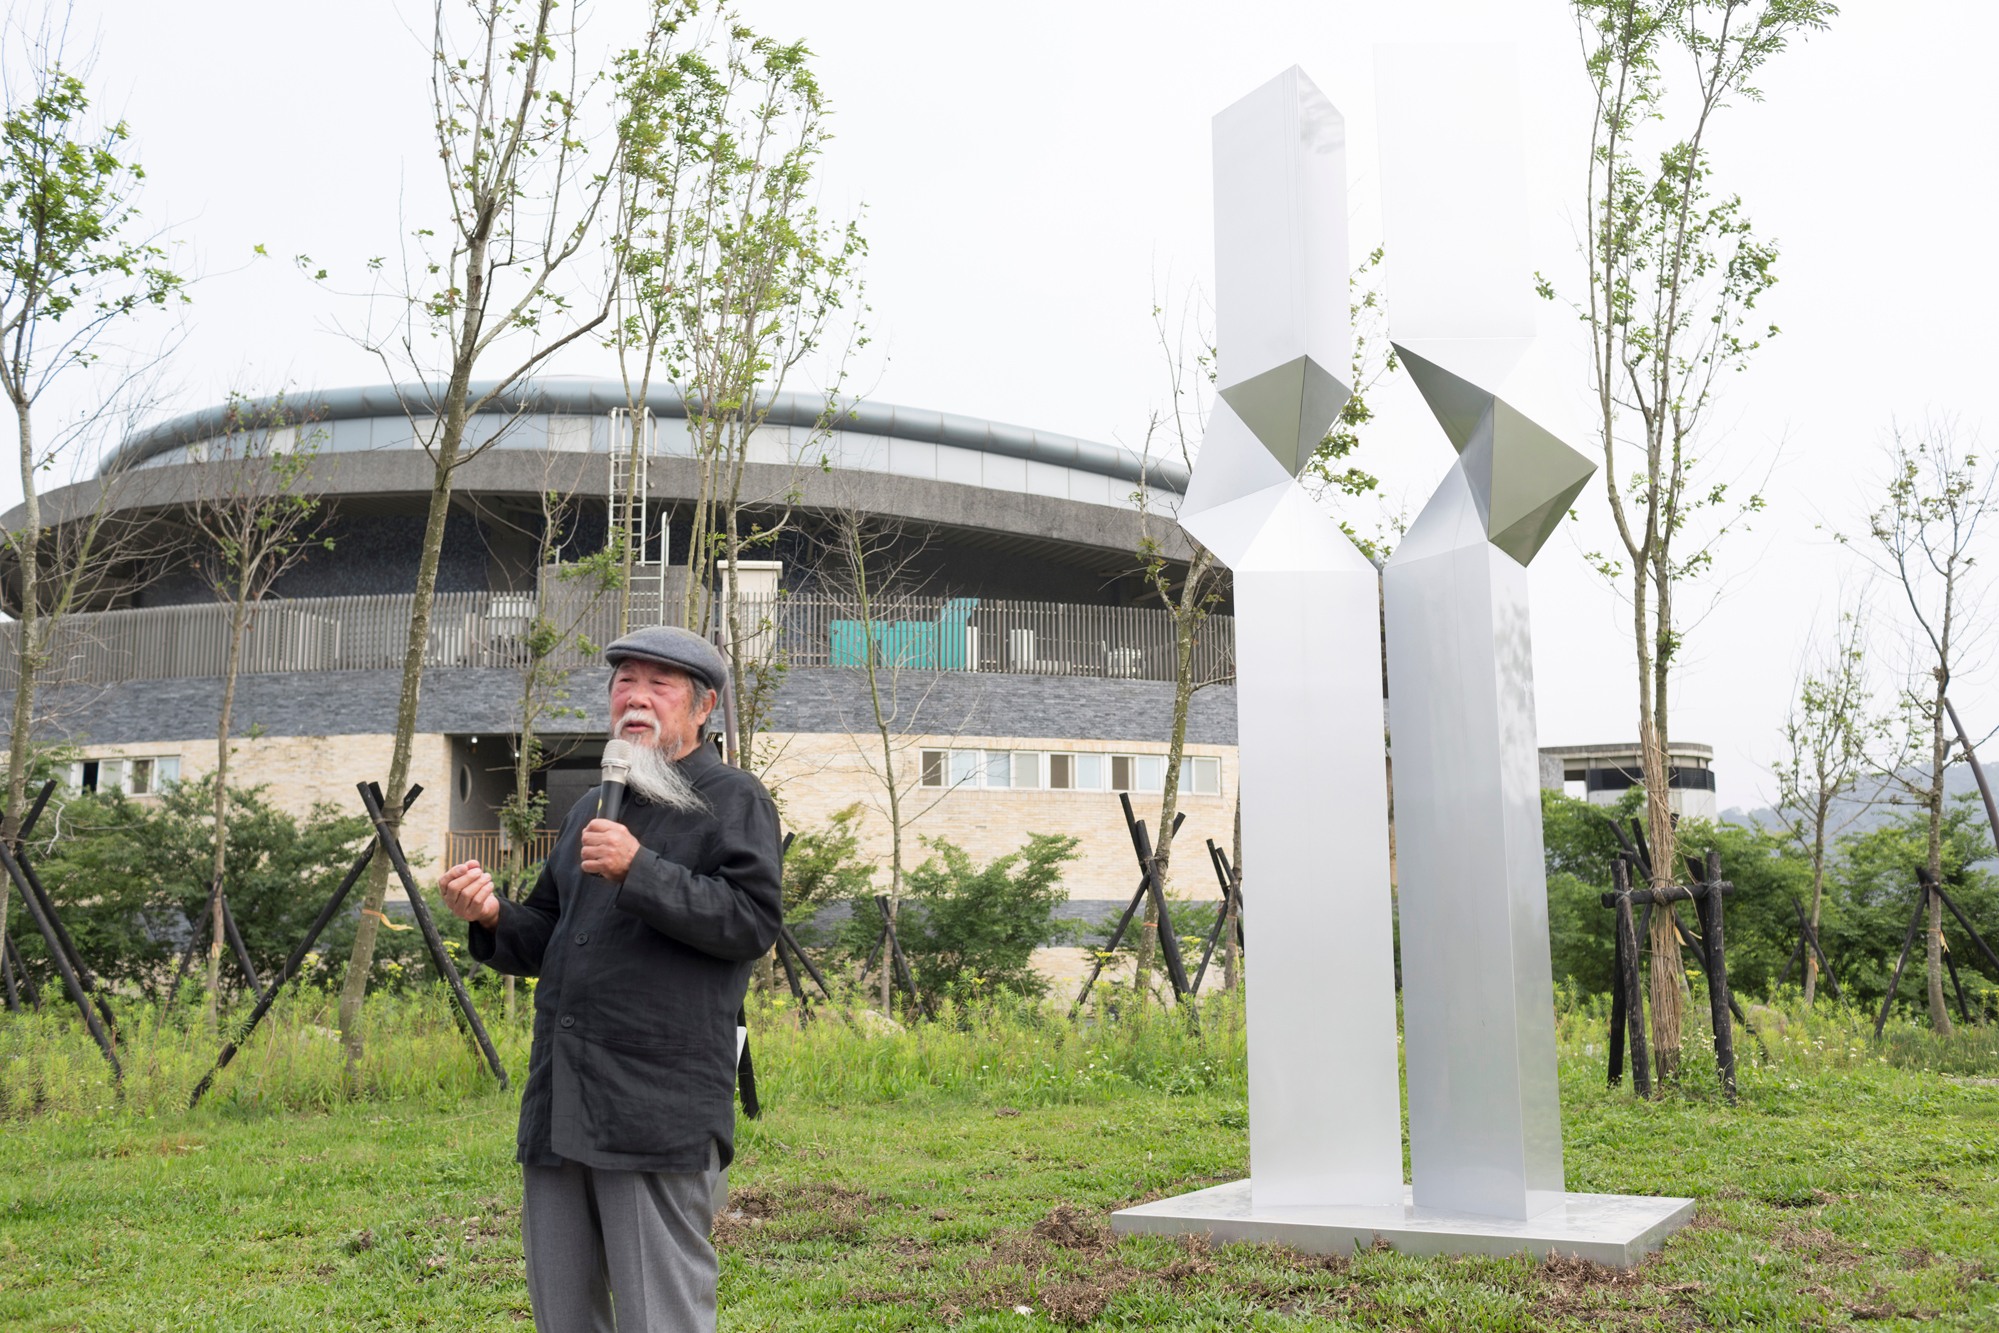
pixel 947 1175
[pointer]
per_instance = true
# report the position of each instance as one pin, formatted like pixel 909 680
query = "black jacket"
pixel 634 1060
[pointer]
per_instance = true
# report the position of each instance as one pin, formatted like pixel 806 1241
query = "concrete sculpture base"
pixel 1613 1229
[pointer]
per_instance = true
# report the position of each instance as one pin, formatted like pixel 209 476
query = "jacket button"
pixel 568 1021
pixel 582 937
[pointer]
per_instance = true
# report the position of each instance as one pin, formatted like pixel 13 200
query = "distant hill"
pixel 1869 810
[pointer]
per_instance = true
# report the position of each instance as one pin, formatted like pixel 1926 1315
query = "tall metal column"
pixel 1324 1101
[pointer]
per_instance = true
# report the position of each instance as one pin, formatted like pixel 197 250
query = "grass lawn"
pixel 938 1186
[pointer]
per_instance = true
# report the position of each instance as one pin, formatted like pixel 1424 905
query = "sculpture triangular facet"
pixel 1289 408
pixel 1457 403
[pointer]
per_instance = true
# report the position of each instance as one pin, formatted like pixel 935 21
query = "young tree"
pixel 254 521
pixel 868 563
pixel 1674 273
pixel 736 279
pixel 1191 593
pixel 72 270
pixel 1828 737
pixel 523 191
pixel 1925 538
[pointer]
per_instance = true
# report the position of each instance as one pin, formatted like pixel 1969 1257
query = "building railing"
pixel 491 848
pixel 489 629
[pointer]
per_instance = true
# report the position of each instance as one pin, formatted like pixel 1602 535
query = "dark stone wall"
pixel 373 554
pixel 481 702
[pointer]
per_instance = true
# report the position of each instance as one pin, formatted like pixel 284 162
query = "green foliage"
pixel 130 878
pixel 826 867
pixel 1578 842
pixel 1870 892
pixel 971 931
pixel 65 203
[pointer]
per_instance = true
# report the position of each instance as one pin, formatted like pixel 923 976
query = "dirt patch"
pixel 815 1211
pixel 1074 1229
pixel 1818 1246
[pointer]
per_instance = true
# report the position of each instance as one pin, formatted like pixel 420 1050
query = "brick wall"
pixel 814 774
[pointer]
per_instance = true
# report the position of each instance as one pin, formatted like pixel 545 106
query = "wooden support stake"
pixel 371 798
pixel 1169 943
pixel 1716 966
pixel 1616 1074
pixel 70 979
pixel 1908 942
pixel 1634 995
pixel 296 961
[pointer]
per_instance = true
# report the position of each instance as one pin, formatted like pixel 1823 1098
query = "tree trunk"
pixel 1818 899
pixel 1231 955
pixel 27 543
pixel 361 959
pixel 1667 970
pixel 1933 800
pixel 1187 617
pixel 239 621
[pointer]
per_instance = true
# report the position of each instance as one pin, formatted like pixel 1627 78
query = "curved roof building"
pixel 1044 659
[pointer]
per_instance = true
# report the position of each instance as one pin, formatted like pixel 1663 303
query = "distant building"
pixel 1033 664
pixel 1601 774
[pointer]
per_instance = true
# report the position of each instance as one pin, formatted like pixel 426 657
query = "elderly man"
pixel 642 932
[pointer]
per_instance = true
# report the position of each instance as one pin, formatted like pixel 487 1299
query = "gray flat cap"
pixel 670 645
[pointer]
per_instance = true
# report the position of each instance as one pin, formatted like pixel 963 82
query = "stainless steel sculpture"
pixel 1325 1111
pixel 1485 1127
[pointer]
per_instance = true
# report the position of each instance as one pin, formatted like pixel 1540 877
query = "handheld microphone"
pixel 617 763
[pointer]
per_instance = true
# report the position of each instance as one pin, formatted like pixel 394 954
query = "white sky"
pixel 1036 174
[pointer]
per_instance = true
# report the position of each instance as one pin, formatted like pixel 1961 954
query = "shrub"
pixel 974 930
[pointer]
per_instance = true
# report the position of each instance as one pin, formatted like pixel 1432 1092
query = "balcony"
pixel 488 630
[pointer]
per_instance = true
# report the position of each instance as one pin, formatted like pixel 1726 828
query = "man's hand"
pixel 468 892
pixel 608 849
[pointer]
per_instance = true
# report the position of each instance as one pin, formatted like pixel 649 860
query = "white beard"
pixel 659 779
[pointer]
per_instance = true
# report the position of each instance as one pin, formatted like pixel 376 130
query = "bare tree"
pixel 1674 273
pixel 71 272
pixel 869 562
pixel 523 191
pixel 1828 738
pixel 254 522
pixel 1924 537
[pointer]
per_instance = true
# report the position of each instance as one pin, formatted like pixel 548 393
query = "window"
pixel 135 775
pixel 1036 770
pixel 1150 770
pixel 1201 776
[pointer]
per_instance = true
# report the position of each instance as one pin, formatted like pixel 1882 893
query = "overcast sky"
pixel 1035 176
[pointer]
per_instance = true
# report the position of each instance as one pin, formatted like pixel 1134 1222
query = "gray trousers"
pixel 623 1251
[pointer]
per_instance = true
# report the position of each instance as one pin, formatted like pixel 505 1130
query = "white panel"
pixel 1051 479
pixel 1325 1122
pixel 1280 232
pixel 1094 487
pixel 912 458
pixel 1478 997
pixel 864 453
pixel 1005 474
pixel 769 444
pixel 964 466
